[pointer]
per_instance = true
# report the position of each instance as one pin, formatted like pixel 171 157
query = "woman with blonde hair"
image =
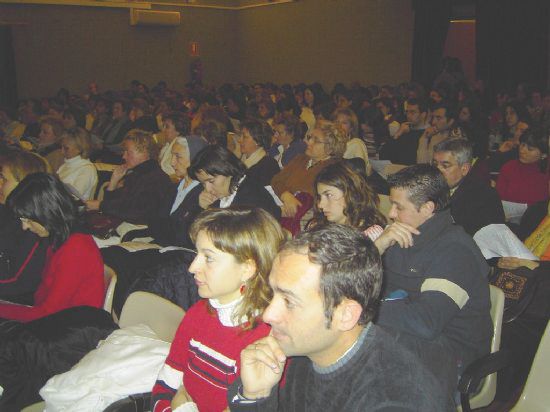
pixel 77 172
pixel 235 251
pixel 355 147
pixel 324 145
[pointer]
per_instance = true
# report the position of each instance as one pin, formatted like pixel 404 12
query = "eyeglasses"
pixel 315 139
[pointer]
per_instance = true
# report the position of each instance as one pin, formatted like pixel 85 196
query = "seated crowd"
pixel 308 292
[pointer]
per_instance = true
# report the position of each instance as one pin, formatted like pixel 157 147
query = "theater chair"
pixel 478 383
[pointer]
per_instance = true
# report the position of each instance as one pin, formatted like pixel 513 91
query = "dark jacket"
pixel 402 151
pixel 445 278
pixel 475 205
pixel 145 188
pixel 22 258
pixel 263 171
pixel 251 194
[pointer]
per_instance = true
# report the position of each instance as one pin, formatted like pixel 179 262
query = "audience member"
pixel 343 196
pixel 436 277
pixel 525 180
pixel 174 125
pixel 77 172
pixel 474 204
pixel 73 275
pixel 325 144
pixel 139 186
pixel 225 182
pixel 22 253
pixel 402 149
pixel 325 285
pixel 49 145
pixel 288 142
pixel 255 140
pixel 355 147
pixel 442 128
pixel 235 251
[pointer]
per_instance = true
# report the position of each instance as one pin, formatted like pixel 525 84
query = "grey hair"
pixel 460 148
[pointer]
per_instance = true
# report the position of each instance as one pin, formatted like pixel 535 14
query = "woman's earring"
pixel 242 288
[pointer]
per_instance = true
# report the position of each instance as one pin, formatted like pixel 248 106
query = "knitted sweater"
pixel 522 183
pixel 73 276
pixel 205 358
pixel 377 374
pixel 296 177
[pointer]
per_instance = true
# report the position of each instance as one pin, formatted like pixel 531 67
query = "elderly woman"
pixel 254 141
pixel 49 145
pixel 137 187
pixel 174 125
pixel 77 172
pixel 325 144
pixel 22 253
pixel 288 139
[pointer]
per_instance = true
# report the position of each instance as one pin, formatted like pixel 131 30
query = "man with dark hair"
pixel 402 149
pixel 436 277
pixel 325 285
pixel 442 128
pixel 474 204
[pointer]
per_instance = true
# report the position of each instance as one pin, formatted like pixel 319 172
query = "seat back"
pixel 486 394
pixel 536 396
pixel 110 278
pixel 161 315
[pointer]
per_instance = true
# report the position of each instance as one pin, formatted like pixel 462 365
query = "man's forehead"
pixel 294 271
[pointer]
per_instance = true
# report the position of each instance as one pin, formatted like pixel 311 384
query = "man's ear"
pixel 347 314
pixel 248 270
pixel 427 209
pixel 465 169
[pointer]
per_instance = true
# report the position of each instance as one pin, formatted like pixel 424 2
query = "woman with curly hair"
pixel 344 196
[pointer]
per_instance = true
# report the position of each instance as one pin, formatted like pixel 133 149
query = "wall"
pixel 309 40
pixel 70 46
pixel 328 41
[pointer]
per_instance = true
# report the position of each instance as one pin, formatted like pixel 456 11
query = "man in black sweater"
pixel 325 285
pixel 474 204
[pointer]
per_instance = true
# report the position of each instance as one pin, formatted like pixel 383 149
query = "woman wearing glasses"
pixel 73 274
pixel 324 145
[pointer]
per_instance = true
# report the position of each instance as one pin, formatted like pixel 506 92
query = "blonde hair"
pixel 354 122
pixel 144 141
pixel 22 163
pixel 81 139
pixel 246 234
pixel 335 138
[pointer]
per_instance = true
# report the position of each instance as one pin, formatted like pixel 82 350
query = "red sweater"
pixel 205 355
pixel 522 183
pixel 72 276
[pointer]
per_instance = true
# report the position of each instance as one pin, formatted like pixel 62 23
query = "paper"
pixel 137 246
pixel 126 227
pixel 498 240
pixel 513 211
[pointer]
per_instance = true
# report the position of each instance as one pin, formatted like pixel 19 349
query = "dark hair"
pixel 43 198
pixel 350 267
pixel 180 122
pixel 217 160
pixel 424 183
pixel 213 131
pixel 78 116
pixel 261 132
pixel 361 202
pixel 421 103
pixel 291 124
pixel 535 138
pixel 450 111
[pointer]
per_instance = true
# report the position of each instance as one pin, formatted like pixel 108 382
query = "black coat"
pixel 264 170
pixel 475 205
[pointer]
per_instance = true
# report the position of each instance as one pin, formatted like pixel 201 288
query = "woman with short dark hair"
pixel 225 182
pixel 73 275
pixel 255 140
